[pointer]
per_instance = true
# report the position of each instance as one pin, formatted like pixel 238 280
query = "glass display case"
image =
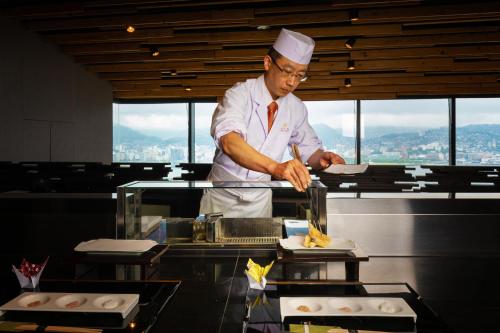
pixel 169 211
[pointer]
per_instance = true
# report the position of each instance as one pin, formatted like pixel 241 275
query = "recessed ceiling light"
pixel 350 43
pixel 187 88
pixel 155 52
pixel 130 29
pixel 173 72
pixel 353 15
pixel 263 27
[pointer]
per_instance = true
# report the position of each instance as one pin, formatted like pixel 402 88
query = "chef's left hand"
pixel 327 158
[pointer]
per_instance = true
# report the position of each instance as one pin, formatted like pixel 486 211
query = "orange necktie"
pixel 271 111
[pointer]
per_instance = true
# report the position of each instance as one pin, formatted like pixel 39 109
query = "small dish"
pixel 345 306
pixel 121 304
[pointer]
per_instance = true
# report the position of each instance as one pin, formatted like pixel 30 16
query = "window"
pixel 392 131
pixel 150 132
pixel 478 131
pixel 204 146
pixel 405 131
pixel 335 124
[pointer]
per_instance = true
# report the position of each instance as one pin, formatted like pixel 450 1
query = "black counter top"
pixel 214 295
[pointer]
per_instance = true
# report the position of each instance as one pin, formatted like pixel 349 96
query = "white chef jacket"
pixel 244 111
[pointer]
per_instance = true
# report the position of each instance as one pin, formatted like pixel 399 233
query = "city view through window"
pixel 392 132
pixel 478 131
pixel 405 132
pixel 150 132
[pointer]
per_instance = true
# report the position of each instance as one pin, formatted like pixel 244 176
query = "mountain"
pixel 127 135
pixel 331 136
pixel 166 135
pixel 378 131
pixel 492 130
pixel 479 135
pixel 132 137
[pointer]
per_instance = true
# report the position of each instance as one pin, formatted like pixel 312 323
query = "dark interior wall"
pixel 51 109
pixel 53 224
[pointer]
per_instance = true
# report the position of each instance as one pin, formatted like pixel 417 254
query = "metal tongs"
pixel 309 196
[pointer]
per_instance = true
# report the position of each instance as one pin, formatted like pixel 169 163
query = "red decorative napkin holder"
pixel 28 274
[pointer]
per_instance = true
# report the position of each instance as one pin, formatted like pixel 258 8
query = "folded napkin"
pixel 116 245
pixel 256 274
pixel 28 274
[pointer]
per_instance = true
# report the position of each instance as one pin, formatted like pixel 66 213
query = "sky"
pixel 429 113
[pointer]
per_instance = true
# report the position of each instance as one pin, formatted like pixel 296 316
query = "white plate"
pixel 346 169
pixel 345 306
pixel 295 244
pixel 114 246
pixel 73 302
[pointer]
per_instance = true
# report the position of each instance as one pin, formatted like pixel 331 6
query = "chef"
pixel 254 124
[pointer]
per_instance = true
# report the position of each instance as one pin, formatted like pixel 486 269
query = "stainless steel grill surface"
pixel 248 230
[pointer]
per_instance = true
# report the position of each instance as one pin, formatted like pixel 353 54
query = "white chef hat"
pixel 295 46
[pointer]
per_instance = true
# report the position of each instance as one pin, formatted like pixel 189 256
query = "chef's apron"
pixel 236 202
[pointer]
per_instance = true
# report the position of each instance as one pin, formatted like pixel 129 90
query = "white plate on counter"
pixel 115 246
pixel 346 169
pixel 73 302
pixel 346 306
pixel 295 244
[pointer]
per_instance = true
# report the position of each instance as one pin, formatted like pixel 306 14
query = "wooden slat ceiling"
pixel 402 48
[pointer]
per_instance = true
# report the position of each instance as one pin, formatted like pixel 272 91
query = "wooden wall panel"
pixel 401 47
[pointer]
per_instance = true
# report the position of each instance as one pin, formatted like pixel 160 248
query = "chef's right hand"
pixel 295 172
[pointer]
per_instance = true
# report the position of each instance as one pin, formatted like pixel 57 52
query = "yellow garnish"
pixel 256 271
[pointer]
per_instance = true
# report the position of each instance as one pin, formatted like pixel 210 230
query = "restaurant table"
pixel 214 294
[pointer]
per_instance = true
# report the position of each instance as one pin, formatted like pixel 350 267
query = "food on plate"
pixel 308 242
pixel 33 304
pixel 345 309
pixel 73 304
pixel 316 237
pixel 303 308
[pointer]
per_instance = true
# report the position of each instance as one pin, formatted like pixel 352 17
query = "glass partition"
pixel 204 212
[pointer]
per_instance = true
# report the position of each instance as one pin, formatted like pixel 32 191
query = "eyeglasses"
pixel 286 73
